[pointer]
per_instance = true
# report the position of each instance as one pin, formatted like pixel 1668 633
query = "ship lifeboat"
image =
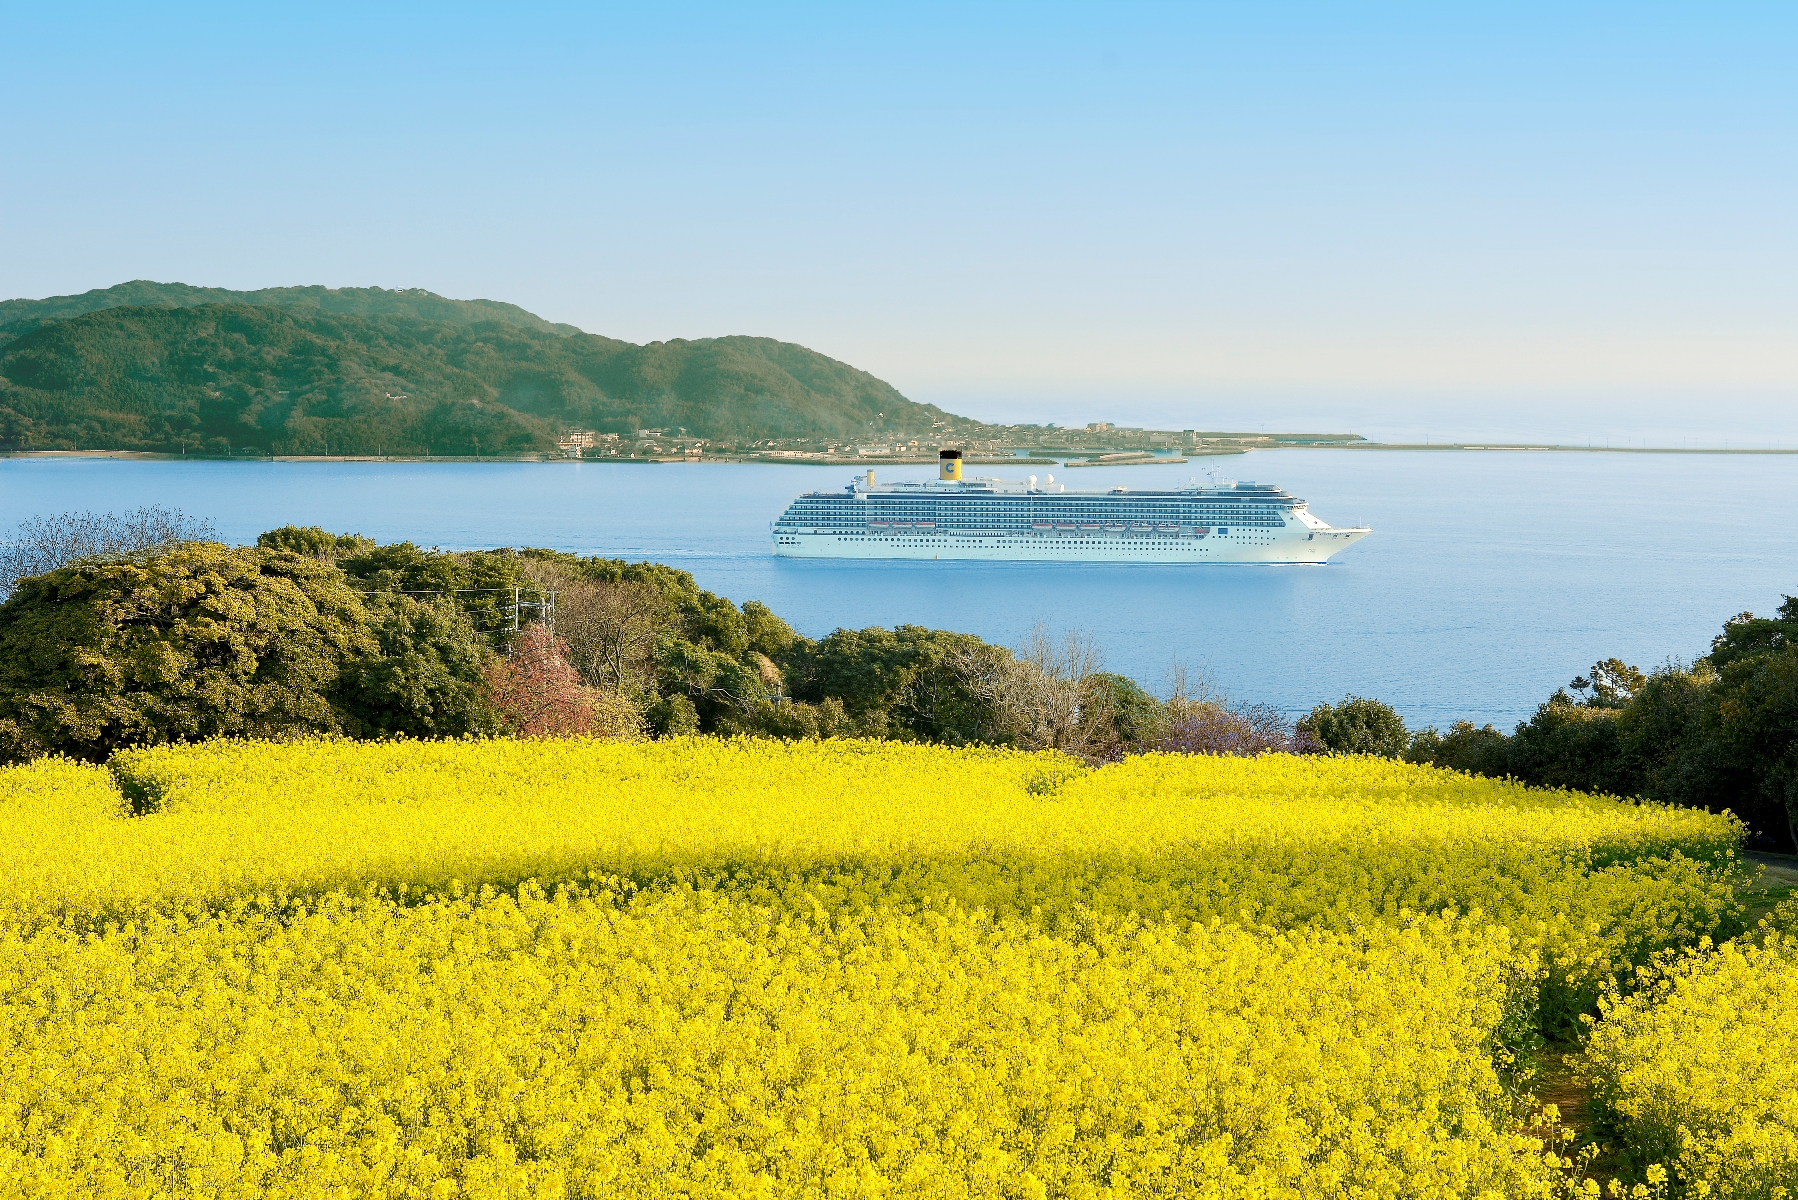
pixel 1200 530
pixel 1140 527
pixel 1167 527
pixel 1089 527
pixel 880 524
pixel 1065 526
pixel 1041 525
pixel 1114 527
pixel 924 524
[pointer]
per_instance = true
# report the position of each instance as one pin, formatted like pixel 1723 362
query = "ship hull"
pixel 1267 546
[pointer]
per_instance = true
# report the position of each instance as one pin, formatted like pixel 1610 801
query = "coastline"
pixel 792 458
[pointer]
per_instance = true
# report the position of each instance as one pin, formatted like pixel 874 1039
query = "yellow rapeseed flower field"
pixel 750 968
pixel 1697 1069
pixel 684 1044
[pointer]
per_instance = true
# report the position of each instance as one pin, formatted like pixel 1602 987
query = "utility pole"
pixel 546 610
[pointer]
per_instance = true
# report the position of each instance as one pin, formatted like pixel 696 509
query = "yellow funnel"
pixel 948 464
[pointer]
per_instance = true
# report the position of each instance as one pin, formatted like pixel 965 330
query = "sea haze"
pixel 1490 579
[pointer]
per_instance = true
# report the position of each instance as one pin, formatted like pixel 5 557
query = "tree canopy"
pixel 1720 733
pixel 202 640
pixel 1358 725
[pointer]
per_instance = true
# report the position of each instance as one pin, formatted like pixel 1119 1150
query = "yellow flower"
pixel 710 968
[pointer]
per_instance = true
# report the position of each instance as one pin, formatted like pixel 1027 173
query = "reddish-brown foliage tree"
pixel 540 695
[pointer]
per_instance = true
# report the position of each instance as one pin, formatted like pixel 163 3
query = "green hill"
pixel 349 302
pixel 301 380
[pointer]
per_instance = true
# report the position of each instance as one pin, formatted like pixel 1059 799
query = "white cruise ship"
pixel 994 520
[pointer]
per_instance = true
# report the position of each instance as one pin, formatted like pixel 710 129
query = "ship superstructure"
pixel 1043 521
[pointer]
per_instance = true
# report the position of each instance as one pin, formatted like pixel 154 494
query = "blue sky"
pixel 1404 219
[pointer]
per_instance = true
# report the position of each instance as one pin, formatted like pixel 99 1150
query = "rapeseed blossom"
pixel 592 1043
pixel 1696 1069
pixel 747 968
pixel 1596 884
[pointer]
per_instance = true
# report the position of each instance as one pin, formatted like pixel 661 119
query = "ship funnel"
pixel 948 464
pixel 870 478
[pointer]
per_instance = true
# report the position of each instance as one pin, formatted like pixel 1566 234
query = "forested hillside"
pixel 238 378
pixel 349 302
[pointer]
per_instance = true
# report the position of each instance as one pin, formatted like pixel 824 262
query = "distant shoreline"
pixel 789 458
pixel 1554 449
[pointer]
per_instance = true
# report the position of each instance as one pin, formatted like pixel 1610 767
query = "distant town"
pixel 1098 442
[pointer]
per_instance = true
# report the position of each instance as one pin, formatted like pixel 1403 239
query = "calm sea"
pixel 1490 578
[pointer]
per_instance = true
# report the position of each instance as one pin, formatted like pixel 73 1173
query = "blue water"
pixel 1490 578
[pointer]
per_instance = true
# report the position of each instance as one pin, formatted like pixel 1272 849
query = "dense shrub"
pixel 202 640
pixel 1137 720
pixel 1478 751
pixel 314 542
pixel 1357 725
pixel 196 641
pixel 1569 744
pixel 1721 733
pixel 425 680
pixel 1755 711
pixel 908 682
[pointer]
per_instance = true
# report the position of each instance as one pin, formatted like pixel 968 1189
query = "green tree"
pixel 673 716
pixel 866 669
pixel 1572 745
pixel 724 691
pixel 941 701
pixel 425 678
pixel 1581 743
pixel 1756 718
pixel 1357 725
pixel 1746 635
pixel 795 719
pixel 314 542
pixel 199 640
pixel 1612 683
pixel 1667 736
pixel 1136 719
pixel 903 683
pixel 767 633
pixel 203 640
pixel 1480 750
pixel 482 582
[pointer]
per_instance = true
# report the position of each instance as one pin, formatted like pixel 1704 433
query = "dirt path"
pixel 1556 1083
pixel 1778 883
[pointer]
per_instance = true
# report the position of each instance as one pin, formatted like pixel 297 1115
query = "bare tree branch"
pixel 1043 695
pixel 43 544
pixel 611 630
